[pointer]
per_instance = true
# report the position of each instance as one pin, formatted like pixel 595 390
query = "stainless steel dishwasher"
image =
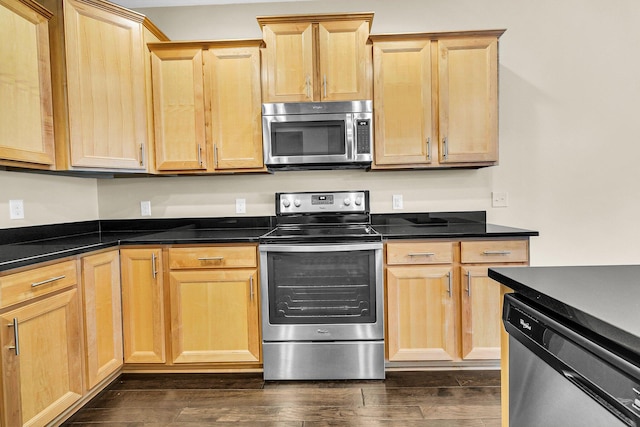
pixel 560 375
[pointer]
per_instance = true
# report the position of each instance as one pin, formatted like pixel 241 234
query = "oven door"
pixel 322 292
pixel 308 139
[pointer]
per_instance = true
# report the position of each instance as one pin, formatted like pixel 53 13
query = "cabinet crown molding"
pixel 281 19
pixel 206 44
pixel 436 35
pixel 114 9
pixel 31 4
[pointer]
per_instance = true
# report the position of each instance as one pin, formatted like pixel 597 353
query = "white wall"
pixel 48 199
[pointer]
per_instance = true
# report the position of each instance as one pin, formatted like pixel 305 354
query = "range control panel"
pixel 322 202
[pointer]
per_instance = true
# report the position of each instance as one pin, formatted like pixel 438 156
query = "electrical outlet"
pixel 241 206
pixel 145 208
pixel 16 209
pixel 499 199
pixel 397 201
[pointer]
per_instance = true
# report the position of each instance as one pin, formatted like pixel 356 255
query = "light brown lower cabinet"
pixel 102 315
pixel 214 316
pixel 143 305
pixel 441 305
pixel 41 359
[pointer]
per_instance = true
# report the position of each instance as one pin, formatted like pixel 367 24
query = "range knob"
pixel 286 203
pixel 358 201
pixel 297 203
pixel 347 202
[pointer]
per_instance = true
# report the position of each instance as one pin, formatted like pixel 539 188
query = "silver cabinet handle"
pixel 422 254
pixel 428 148
pixel 44 282
pixel 211 258
pixel 141 154
pixel 450 280
pixel 251 288
pixel 445 148
pixel 469 283
pixel 16 338
pixel 200 155
pixel 215 155
pixel 154 272
pixel 324 83
pixel 496 253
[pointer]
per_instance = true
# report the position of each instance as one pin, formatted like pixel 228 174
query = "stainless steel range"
pixel 321 283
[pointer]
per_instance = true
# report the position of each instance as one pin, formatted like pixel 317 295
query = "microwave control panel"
pixel 363 136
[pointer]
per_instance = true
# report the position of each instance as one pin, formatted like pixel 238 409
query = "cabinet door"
pixel 481 314
pixel 179 109
pixel 236 109
pixel 26 111
pixel 142 305
pixel 421 313
pixel 288 69
pixel 402 103
pixel 345 61
pixel 214 316
pixel 42 380
pixel 106 88
pixel 102 315
pixel 468 76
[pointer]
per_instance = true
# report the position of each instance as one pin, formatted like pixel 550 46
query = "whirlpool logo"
pixel 525 325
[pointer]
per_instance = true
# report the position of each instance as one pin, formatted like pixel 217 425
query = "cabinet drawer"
pixel 32 283
pixel 212 257
pixel 419 253
pixel 495 251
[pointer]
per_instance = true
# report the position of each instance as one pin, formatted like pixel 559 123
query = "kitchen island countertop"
pixel 602 300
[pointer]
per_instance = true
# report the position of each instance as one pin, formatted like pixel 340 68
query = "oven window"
pixel 319 138
pixel 322 287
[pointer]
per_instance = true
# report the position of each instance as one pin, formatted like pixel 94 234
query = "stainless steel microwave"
pixel 317 135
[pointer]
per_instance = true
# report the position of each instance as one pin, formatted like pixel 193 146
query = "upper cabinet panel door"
pixel 345 61
pixel 236 119
pixel 402 103
pixel 179 109
pixel 26 111
pixel 106 88
pixel 468 79
pixel 288 62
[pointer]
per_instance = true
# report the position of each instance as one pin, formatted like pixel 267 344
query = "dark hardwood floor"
pixel 407 399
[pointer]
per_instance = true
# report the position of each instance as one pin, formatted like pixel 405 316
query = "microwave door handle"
pixel 350 137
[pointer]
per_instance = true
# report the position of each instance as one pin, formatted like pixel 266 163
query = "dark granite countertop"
pixel 29 245
pixel 603 300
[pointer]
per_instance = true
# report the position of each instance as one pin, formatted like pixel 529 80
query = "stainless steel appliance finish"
pixel 322 295
pixel 561 377
pixel 317 135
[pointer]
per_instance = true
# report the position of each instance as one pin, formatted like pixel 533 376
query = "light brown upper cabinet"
pixel 26 112
pixel 207 106
pixel 316 57
pixel 99 101
pixel 436 99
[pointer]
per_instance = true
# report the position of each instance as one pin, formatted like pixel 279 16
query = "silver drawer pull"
pixel 422 254
pixel 496 253
pixel 211 258
pixel 15 347
pixel 44 282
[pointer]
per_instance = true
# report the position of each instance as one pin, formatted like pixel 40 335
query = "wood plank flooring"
pixel 407 399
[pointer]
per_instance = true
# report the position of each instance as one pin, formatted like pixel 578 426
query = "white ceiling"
pixel 136 4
